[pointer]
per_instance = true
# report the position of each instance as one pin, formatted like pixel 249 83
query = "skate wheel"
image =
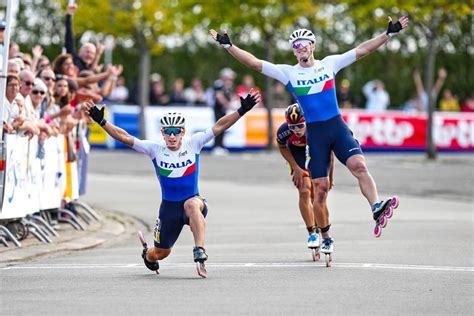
pixel 328 260
pixel 201 269
pixel 142 238
pixel 377 231
pixel 389 212
pixel 316 255
pixel 383 221
pixel 395 202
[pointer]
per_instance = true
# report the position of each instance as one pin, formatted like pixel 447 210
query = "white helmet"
pixel 174 119
pixel 302 34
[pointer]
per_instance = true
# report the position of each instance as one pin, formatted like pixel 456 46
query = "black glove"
pixel 246 104
pixel 224 40
pixel 98 115
pixel 393 28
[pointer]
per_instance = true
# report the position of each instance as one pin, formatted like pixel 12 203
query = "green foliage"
pixel 262 27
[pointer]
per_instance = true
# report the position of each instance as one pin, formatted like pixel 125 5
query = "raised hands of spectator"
pixel 100 48
pixel 71 8
pixel 37 51
pixel 442 73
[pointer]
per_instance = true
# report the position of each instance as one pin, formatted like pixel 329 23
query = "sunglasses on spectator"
pixel 293 127
pixel 49 79
pixel 28 83
pixel 300 44
pixel 36 92
pixel 172 130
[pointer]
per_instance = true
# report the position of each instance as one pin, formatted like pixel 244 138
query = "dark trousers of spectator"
pixel 219 140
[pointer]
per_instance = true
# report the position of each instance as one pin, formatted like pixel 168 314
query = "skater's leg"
pixel 356 164
pixel 305 204
pixel 193 209
pixel 321 189
pixel 154 254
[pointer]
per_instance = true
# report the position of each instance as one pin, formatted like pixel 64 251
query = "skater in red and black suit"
pixel 291 139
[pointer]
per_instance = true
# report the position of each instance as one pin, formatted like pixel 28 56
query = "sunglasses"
pixel 172 130
pixel 48 79
pixel 300 44
pixel 36 92
pixel 28 83
pixel 293 127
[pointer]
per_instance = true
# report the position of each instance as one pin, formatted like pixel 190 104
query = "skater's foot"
pixel 153 266
pixel 313 240
pixel 199 254
pixel 327 246
pixel 379 208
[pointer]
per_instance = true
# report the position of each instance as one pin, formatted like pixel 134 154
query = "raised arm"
pixel 373 44
pixel 114 131
pixel 245 105
pixel 241 55
pixel 442 74
pixel 69 43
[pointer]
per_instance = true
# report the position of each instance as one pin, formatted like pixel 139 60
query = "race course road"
pixel 258 261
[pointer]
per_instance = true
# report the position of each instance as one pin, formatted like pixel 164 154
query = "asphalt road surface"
pixel 258 261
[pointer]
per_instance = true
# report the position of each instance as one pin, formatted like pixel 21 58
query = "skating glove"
pixel 224 40
pixel 246 104
pixel 393 28
pixel 98 115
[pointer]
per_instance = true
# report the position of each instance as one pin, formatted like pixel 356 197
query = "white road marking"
pixel 341 265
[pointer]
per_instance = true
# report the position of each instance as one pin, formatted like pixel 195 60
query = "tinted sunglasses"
pixel 293 127
pixel 172 130
pixel 36 92
pixel 300 44
pixel 28 83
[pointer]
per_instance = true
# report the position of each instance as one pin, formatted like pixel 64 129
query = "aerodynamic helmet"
pixel 302 34
pixel 294 114
pixel 174 119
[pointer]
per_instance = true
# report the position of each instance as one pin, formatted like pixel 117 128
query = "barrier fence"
pixel 41 187
pixel 387 131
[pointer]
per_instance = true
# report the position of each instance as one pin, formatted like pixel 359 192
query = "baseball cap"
pixel 3 25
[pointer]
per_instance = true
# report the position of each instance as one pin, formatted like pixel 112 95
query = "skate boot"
pixel 153 266
pixel 327 247
pixel 313 244
pixel 200 257
pixel 382 211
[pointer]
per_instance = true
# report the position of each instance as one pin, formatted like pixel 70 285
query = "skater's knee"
pixel 358 167
pixel 155 254
pixel 192 205
pixel 321 187
pixel 305 192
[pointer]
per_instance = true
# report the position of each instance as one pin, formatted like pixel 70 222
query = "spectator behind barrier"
pixel 449 102
pixel 158 94
pixel 378 98
pixel 195 93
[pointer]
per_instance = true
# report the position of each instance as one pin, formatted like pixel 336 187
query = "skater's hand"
pixel 298 175
pixel 94 112
pixel 224 40
pixel 249 102
pixel 394 28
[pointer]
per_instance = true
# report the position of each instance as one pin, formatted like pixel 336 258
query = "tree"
pixel 271 19
pixel 437 23
pixel 144 23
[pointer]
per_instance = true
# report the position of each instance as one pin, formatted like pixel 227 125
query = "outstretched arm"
pixel 373 44
pixel 241 55
pixel 442 74
pixel 114 131
pixel 245 105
